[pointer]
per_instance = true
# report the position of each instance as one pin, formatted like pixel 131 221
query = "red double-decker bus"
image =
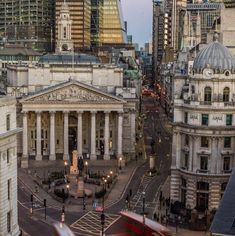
pixel 138 225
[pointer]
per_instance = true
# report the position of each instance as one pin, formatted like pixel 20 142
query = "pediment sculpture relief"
pixel 72 94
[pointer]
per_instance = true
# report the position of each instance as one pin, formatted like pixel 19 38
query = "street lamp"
pixel 102 217
pixel 105 181
pixel 120 163
pixel 67 187
pixel 143 210
pixel 108 176
pixel 65 167
pixel 86 165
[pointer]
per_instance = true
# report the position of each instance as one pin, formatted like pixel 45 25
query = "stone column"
pixel 191 153
pixel 133 134
pixel 52 156
pixel 106 136
pixel 212 161
pixel 120 127
pixel 173 150
pixel 79 133
pixel 25 157
pixel 66 138
pixel 178 151
pixel 93 135
pixel 195 160
pixel 39 137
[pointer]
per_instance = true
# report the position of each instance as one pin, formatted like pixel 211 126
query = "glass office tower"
pixel 113 30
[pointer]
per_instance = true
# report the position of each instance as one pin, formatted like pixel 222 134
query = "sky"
pixel 138 14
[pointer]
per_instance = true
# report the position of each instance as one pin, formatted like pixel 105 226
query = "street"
pixel 88 223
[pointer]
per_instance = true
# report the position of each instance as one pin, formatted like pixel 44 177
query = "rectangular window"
pixel 186 117
pixel 186 160
pixel 8 155
pixel 8 189
pixel 193 89
pixel 227 142
pixel 226 163
pixel 8 122
pixel 204 163
pixel 229 119
pixel 9 222
pixel 205 142
pixel 205 119
pixel 186 140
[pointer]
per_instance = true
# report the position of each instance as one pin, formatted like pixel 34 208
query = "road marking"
pixel 90 222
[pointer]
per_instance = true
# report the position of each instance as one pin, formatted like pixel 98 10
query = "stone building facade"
pixel 8 167
pixel 76 116
pixel 203 145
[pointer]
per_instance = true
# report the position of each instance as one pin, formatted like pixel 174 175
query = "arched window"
pixel 207 94
pixel 226 94
pixel 65 32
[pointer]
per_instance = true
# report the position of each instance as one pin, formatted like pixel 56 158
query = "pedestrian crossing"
pixel 91 223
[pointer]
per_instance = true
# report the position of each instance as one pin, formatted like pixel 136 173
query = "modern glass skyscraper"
pixel 28 22
pixel 96 22
pixel 113 29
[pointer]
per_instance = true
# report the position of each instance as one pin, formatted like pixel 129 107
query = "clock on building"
pixel 208 73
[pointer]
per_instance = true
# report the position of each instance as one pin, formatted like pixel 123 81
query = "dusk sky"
pixel 138 14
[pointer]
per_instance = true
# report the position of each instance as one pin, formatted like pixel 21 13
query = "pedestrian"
pixel 154 216
pixel 136 158
pixel 157 218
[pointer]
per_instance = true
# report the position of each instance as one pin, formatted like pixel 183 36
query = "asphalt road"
pixel 154 129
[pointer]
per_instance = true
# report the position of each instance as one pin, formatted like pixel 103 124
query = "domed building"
pixel 203 145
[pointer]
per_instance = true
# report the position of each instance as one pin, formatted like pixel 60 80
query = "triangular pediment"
pixel 72 92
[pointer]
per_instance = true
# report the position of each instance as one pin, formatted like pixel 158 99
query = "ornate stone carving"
pixel 72 93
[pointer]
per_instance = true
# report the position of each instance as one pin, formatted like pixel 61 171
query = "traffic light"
pixel 31 197
pixel 45 203
pixel 102 218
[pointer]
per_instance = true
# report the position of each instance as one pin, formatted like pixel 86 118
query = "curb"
pixel 124 190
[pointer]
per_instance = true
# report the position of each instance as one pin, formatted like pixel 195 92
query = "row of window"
pixel 227 161
pixel 205 141
pixel 205 119
pixel 208 94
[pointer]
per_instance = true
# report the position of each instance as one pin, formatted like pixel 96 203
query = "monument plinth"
pixel 80 187
pixel 74 167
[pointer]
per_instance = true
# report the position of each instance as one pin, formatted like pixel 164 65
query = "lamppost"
pixel 120 163
pixel 102 216
pixel 105 181
pixel 67 187
pixel 143 209
pixel 108 176
pixel 65 167
pixel 86 166
pixel 143 206
pixel 111 176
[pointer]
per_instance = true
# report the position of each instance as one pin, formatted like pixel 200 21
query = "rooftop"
pixel 216 56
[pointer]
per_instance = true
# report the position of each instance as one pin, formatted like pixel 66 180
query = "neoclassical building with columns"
pixel 203 148
pixel 76 116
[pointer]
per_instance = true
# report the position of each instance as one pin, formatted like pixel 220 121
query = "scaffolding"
pixel 29 22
